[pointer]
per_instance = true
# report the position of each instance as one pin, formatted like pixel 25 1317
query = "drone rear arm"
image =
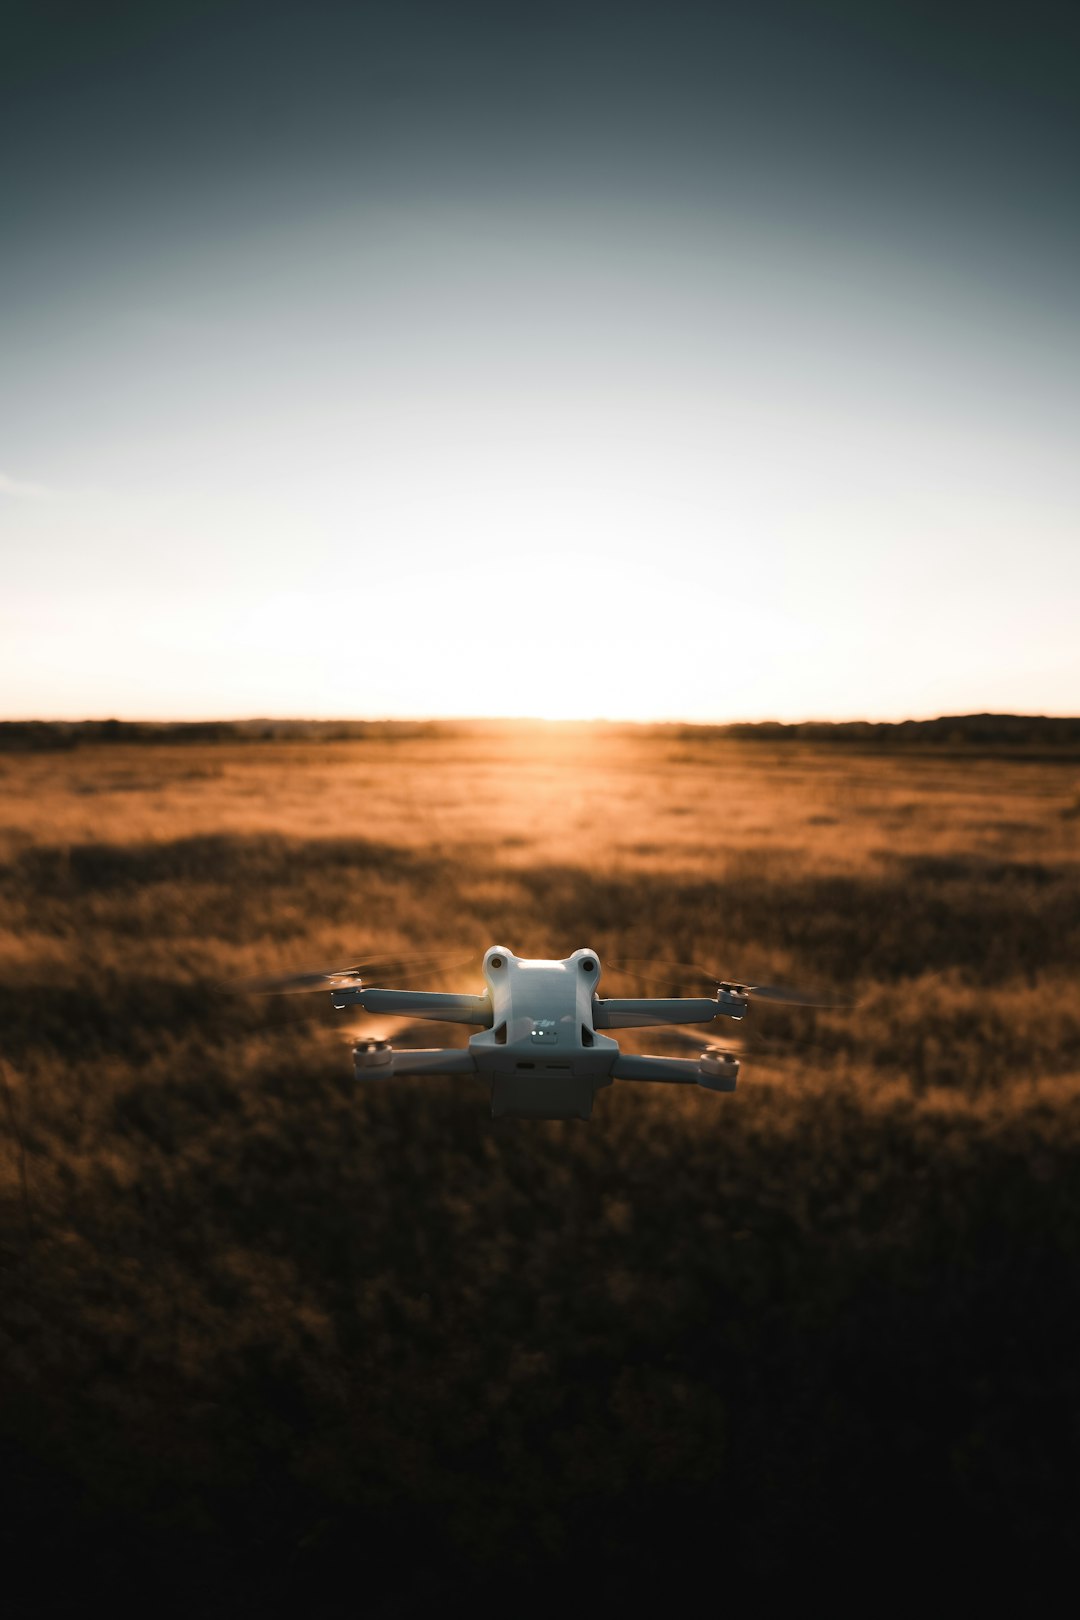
pixel 720 1073
pixel 444 1009
pixel 672 1071
pixel 638 1011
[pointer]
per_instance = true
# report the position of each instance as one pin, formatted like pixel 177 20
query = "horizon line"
pixel 521 719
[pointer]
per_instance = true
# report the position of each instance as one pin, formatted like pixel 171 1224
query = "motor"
pixel 718 1070
pixel 373 1060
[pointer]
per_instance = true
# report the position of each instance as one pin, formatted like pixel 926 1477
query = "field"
pixel 262 1331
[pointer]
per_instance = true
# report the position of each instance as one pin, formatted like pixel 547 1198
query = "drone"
pixel 541 1038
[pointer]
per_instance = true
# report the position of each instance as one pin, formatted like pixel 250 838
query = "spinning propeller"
pixel 676 974
pixel 409 1033
pixel 373 970
pixel 698 1041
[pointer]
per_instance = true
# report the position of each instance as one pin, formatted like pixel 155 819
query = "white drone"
pixel 540 1039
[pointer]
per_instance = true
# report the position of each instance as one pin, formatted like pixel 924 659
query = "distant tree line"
pixel 36 735
pixel 1024 732
pixel 947 731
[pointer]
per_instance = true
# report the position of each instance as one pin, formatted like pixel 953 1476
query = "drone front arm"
pixel 637 1012
pixel 444 1009
pixel 713 1072
pixel 455 1060
pixel 669 1071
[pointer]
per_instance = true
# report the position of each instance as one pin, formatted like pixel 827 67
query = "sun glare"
pixel 568 639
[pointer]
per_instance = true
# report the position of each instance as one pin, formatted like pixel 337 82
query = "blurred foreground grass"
pixel 260 1331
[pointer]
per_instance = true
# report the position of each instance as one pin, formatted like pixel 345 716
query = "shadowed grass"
pixel 268 1332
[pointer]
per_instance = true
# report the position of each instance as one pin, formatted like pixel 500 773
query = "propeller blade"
pixel 677 974
pixel 292 984
pixel 368 971
pixel 785 996
pixel 416 1032
pixel 654 971
pixel 381 970
pixel 738 1046
pixel 698 1040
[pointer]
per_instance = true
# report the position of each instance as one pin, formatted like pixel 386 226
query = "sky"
pixel 650 361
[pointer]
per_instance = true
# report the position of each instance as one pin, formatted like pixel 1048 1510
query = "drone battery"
pixel 542 1095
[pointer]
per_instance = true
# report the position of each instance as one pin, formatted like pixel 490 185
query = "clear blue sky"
pixel 645 360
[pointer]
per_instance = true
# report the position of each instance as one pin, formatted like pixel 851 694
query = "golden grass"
pixel 258 1323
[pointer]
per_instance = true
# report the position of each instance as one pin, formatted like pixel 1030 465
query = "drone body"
pixel 541 1042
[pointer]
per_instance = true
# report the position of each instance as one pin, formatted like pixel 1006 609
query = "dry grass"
pixel 258 1328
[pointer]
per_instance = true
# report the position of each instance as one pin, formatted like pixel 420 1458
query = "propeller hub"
pixel 718 1070
pixel 373 1055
